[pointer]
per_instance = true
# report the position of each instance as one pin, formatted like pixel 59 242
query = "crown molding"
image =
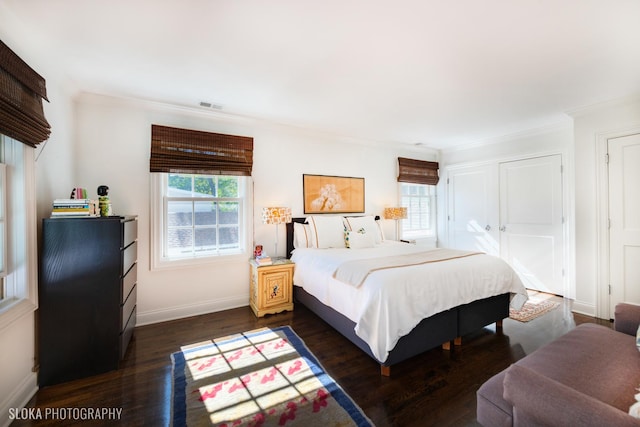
pixel 253 122
pixel 560 126
pixel 603 105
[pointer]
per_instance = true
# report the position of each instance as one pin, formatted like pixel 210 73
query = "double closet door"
pixel 513 210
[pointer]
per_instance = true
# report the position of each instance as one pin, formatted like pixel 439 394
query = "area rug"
pixel 532 310
pixel 264 377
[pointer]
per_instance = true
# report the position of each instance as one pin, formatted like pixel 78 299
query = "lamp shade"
pixel 276 215
pixel 395 213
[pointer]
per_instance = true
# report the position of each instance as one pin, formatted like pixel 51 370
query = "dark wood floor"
pixel 437 388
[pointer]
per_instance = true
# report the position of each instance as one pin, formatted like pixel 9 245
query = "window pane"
pixel 229 237
pixel 205 213
pixel 204 186
pixel 205 239
pixel 229 212
pixel 228 186
pixel 179 183
pixel 179 241
pixel 179 214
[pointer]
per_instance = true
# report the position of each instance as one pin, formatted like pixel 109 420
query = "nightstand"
pixel 271 287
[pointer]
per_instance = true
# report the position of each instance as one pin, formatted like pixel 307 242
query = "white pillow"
pixel 301 235
pixel 327 231
pixel 368 223
pixel 358 239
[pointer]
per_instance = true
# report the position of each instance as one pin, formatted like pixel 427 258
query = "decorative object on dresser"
pixel 396 214
pixel 271 286
pixel 265 377
pixel 87 295
pixel 276 216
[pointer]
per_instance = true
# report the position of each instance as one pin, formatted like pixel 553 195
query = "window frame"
pixel 430 233
pixel 21 248
pixel 159 209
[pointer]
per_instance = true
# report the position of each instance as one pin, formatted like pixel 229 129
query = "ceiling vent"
pixel 210 105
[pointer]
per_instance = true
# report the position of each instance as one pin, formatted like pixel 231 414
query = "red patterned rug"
pixel 265 377
pixel 532 310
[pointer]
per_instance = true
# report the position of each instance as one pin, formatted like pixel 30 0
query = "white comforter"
pixel 392 302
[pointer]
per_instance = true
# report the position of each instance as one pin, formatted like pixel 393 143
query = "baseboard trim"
pixel 582 308
pixel 189 310
pixel 18 399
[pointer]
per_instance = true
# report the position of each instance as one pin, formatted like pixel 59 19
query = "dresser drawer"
pixel 128 282
pixel 129 257
pixel 130 232
pixel 128 306
pixel 127 332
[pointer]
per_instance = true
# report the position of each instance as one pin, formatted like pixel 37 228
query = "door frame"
pixel 602 219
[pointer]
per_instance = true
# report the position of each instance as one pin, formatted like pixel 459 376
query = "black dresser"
pixel 87 295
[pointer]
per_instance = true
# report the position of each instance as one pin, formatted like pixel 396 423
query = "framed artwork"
pixel 332 194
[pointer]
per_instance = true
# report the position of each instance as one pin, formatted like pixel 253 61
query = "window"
pixel 419 199
pixel 17 210
pixel 3 233
pixel 22 126
pixel 199 195
pixel 203 216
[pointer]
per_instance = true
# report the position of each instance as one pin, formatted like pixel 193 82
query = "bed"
pixel 420 326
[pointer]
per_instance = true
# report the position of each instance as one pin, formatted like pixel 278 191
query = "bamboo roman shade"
pixel 417 171
pixel 21 93
pixel 190 151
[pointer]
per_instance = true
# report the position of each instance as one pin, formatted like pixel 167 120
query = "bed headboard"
pixel 301 220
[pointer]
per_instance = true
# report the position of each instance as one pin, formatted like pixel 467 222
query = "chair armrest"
pixel 539 400
pixel 627 318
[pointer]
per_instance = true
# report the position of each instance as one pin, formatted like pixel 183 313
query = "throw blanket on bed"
pixel 355 272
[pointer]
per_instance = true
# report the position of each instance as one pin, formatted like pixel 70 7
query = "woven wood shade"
pixel 417 171
pixel 21 93
pixel 190 151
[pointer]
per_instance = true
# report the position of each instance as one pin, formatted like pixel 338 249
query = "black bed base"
pixel 439 329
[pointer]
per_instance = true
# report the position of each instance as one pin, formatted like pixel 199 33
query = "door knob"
pixel 503 228
pixel 488 227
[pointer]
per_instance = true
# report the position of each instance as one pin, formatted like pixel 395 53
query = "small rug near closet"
pixel 264 377
pixel 532 310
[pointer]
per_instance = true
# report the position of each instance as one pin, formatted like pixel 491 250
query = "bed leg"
pixel 456 341
pixel 499 324
pixel 385 371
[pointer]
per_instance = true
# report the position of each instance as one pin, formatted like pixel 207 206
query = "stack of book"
pixel 75 208
pixel 264 260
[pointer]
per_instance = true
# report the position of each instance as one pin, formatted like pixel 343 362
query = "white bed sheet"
pixel 391 302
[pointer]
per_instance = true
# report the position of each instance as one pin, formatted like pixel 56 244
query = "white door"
pixel 624 215
pixel 473 208
pixel 531 221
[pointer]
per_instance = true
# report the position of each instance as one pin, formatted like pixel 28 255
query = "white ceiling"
pixel 440 73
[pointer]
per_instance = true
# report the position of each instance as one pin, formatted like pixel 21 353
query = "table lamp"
pixel 396 213
pixel 276 216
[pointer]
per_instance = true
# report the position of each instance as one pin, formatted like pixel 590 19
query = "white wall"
pixel 112 141
pixel 593 126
